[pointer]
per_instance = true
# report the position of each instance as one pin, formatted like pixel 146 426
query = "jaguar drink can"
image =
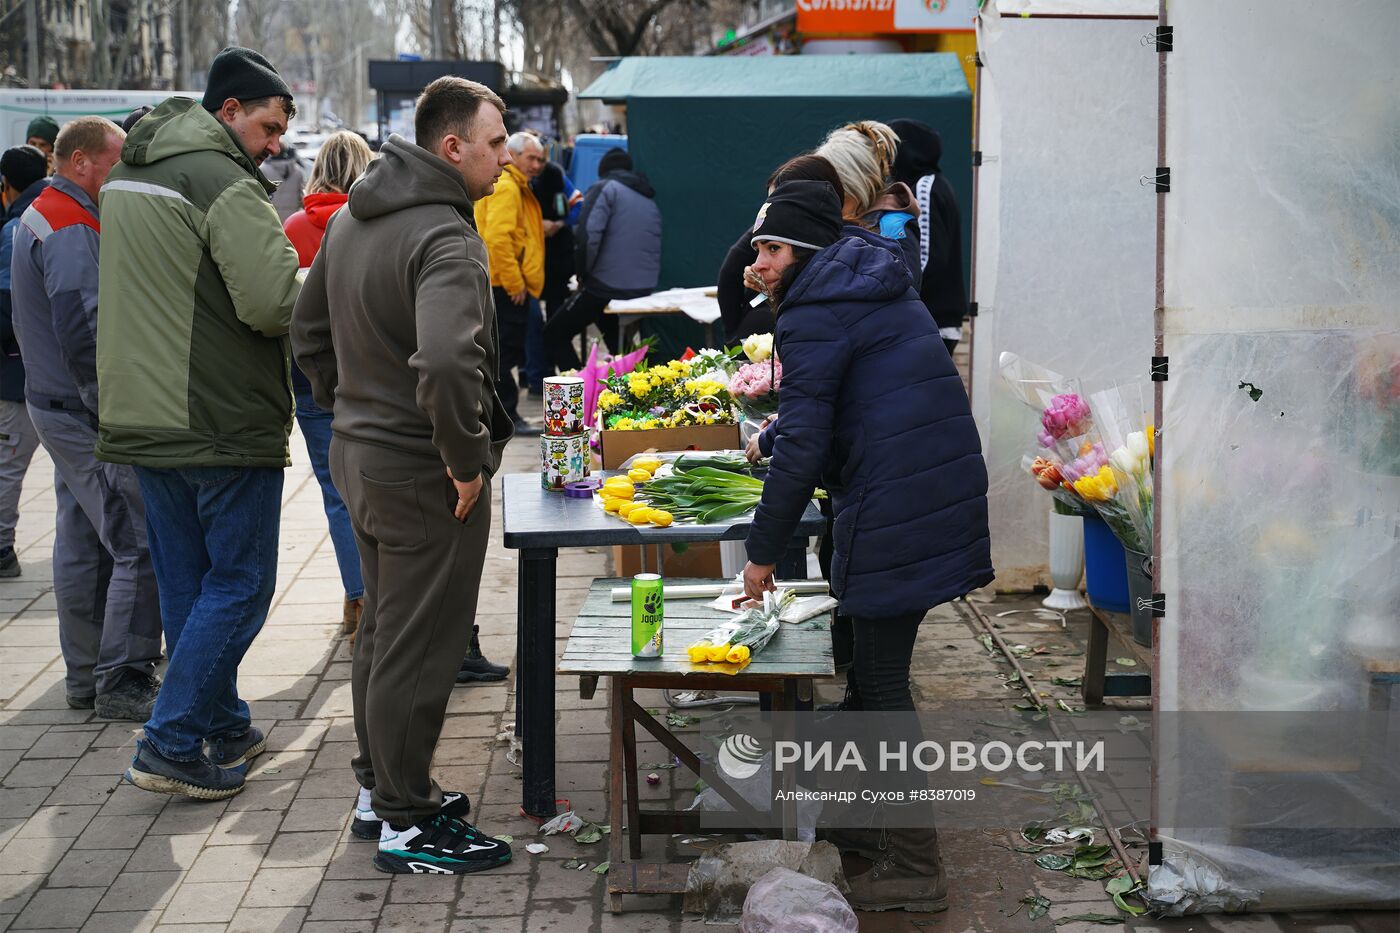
pixel 648 611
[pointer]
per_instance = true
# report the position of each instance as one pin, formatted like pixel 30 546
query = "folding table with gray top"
pixel 537 523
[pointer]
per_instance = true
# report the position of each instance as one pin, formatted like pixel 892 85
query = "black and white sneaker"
pixel 367 825
pixel 439 845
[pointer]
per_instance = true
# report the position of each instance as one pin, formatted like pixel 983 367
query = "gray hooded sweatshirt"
pixel 395 327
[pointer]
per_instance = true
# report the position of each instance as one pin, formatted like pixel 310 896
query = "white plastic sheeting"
pixel 1279 455
pixel 1066 242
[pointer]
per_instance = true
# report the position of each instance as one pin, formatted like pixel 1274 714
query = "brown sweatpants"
pixel 422 571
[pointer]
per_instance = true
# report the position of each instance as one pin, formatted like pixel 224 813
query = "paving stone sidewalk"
pixel 79 850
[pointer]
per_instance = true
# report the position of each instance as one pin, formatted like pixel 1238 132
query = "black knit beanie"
pixel 614 160
pixel 243 75
pixel 22 166
pixel 801 213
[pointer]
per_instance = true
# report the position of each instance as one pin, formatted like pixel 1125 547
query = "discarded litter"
pixel 574 864
pixel 1125 662
pixel 536 848
pixel 565 822
pixel 784 901
pixel 653 779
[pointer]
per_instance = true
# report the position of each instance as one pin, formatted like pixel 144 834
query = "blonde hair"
pixel 863 156
pixel 342 159
pixel 88 134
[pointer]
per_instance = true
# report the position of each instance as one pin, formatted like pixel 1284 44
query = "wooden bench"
pixel 1098 683
pixel 600 646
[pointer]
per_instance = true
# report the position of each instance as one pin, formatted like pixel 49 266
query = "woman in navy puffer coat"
pixel 872 409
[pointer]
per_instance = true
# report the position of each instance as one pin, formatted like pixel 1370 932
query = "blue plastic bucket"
pixel 1105 568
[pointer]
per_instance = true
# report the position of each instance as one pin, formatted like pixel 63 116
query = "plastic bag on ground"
pixel 719 883
pixel 784 901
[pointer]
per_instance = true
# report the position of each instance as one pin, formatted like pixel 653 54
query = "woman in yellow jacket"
pixel 510 222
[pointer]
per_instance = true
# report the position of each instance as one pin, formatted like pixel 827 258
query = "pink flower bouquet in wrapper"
pixel 754 387
pixel 1067 415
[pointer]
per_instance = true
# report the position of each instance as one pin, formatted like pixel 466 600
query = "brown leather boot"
pixel 907 876
pixel 350 617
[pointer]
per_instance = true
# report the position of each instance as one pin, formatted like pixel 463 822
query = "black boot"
pixel 475 668
pixel 849 702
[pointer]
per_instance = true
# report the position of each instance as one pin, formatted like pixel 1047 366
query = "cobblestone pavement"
pixel 81 851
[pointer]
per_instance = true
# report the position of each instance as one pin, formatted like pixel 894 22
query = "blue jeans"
pixel 213 537
pixel 536 359
pixel 315 425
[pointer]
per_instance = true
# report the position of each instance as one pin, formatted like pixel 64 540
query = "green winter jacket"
pixel 196 286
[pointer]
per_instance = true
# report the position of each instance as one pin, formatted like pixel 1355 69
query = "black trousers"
pixel 572 319
pixel 884 649
pixel 511 322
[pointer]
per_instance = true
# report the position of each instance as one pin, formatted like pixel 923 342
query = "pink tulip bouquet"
pixel 754 387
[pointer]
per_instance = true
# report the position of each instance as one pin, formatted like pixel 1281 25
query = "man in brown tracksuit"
pixel 396 331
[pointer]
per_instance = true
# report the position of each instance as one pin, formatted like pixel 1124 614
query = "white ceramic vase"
pixel 1066 562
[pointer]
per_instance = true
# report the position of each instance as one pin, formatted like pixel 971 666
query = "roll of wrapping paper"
pixel 563 460
pixel 563 406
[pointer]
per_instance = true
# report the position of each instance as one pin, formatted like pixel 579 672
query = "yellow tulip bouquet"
pixel 735 641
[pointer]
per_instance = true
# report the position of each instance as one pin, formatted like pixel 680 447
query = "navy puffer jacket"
pixel 873 410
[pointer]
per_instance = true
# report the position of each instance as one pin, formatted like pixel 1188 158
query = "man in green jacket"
pixel 197 283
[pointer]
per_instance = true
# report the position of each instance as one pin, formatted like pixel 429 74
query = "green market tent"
pixel 708 131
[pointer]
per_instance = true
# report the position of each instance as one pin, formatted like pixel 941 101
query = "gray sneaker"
pixel 235 751
pixel 131 699
pixel 200 779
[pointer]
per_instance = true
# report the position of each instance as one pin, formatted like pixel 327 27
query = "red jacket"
pixel 307 226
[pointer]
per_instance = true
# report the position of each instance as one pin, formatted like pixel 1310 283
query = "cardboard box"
pixel 619 445
pixel 697 560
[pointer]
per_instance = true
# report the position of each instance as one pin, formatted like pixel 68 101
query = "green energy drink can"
pixel 648 611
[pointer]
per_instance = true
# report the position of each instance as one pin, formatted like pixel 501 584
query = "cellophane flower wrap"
pixel 1123 423
pixel 1062 415
pixel 735 641
pixel 754 388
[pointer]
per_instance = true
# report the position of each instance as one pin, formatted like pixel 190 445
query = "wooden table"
pixel 600 645
pixel 629 321
pixel 537 523
pixel 1098 683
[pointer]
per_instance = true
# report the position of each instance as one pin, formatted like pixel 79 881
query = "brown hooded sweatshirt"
pixel 395 327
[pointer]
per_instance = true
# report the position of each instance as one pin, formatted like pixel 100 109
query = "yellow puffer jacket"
pixel 511 224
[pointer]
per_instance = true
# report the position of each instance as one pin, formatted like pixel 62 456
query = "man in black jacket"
pixel 560 202
pixel 942 287
pixel 22 169
pixel 617 254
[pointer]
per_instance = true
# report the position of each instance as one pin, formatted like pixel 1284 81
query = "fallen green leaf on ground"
pixel 681 720
pixel 1053 861
pixel 574 864
pixel 1067 681
pixel 1039 906
pixel 506 838
pixel 588 833
pixel 601 868
pixel 667 766
pixel 1126 662
pixel 1118 887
